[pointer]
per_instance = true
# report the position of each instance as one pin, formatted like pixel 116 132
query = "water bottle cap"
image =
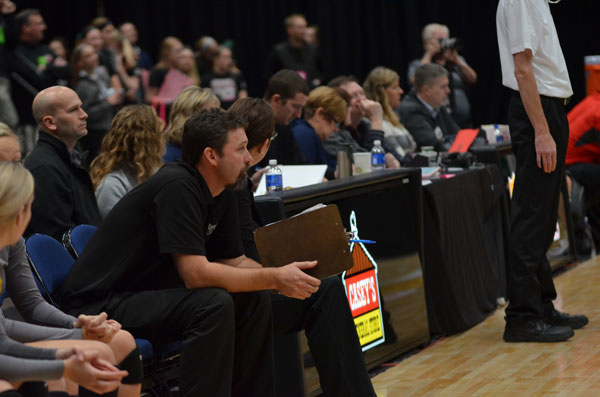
pixel 496 126
pixel 377 142
pixel 273 162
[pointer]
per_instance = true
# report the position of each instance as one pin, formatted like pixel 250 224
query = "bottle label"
pixel 274 182
pixel 377 159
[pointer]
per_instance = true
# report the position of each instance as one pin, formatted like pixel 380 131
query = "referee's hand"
pixel 545 150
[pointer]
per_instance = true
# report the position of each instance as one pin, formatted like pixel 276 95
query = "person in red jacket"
pixel 583 155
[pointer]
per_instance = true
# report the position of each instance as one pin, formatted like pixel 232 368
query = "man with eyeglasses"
pixel 325 316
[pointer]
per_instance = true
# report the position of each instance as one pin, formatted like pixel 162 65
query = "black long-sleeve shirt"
pixel 64 194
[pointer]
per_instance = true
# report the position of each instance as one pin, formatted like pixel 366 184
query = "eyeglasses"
pixel 337 123
pixel 274 136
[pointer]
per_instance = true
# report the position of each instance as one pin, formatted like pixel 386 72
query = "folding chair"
pixel 50 263
pixel 160 363
pixel 77 238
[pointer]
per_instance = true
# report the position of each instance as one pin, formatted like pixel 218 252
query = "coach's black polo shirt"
pixel 172 212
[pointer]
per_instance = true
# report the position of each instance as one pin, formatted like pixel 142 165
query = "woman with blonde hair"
pixel 50 355
pixel 169 48
pixel 324 111
pixel 98 100
pixel 125 65
pixel 383 85
pixel 16 196
pixel 182 74
pixel 131 152
pixel 188 102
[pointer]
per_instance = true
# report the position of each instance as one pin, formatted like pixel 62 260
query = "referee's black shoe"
pixel 574 321
pixel 536 330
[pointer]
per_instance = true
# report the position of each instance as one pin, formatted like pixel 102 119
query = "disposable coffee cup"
pixel 362 162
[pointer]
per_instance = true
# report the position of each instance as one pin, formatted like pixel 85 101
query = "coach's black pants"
pixel 331 335
pixel 534 210
pixel 227 338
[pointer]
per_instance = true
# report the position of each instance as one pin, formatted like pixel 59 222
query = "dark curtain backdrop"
pixel 356 35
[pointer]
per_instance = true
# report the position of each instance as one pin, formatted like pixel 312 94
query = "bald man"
pixel 64 195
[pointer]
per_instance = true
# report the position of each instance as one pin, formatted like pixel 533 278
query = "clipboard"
pixel 317 235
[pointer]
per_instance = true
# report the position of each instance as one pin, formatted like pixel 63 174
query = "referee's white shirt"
pixel 528 24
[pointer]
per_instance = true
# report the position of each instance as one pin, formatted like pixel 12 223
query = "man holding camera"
pixel 442 49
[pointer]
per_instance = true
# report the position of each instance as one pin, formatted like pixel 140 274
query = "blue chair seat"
pixel 145 348
pixel 77 238
pixel 50 263
pixel 169 349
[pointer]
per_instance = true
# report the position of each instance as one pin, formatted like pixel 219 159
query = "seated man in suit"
pixel 423 111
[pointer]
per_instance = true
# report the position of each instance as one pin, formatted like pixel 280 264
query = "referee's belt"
pixel 564 101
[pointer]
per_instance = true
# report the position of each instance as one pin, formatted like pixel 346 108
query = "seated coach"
pixel 168 264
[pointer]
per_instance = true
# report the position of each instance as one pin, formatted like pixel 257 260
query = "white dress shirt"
pixel 528 24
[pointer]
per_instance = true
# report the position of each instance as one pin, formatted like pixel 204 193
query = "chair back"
pixel 50 262
pixel 77 238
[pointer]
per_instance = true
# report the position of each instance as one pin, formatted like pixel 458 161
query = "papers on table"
pixel 296 176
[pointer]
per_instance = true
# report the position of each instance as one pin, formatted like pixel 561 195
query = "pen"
pixel 362 241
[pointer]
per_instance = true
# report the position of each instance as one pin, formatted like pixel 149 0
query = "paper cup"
pixel 362 161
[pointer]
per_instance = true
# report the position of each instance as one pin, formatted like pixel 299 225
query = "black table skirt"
pixel 466 229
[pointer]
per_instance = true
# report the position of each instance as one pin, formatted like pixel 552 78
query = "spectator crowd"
pixel 163 158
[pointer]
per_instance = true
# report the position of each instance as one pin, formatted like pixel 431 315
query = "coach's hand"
pixel 293 282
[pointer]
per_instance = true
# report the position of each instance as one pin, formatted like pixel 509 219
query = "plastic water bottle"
pixel 377 156
pixel 274 177
pixel 498 134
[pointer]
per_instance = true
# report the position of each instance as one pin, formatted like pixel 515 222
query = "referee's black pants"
pixel 227 337
pixel 331 335
pixel 534 211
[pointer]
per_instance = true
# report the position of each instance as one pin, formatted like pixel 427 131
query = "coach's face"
pixel 235 159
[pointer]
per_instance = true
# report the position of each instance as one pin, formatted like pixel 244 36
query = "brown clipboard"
pixel 317 235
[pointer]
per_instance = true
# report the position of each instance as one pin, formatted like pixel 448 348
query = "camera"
pixel 450 44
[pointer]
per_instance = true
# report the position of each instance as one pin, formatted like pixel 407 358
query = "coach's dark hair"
pixel 287 84
pixel 259 118
pixel 207 128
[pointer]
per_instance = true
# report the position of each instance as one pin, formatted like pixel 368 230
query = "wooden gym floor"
pixel 479 363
